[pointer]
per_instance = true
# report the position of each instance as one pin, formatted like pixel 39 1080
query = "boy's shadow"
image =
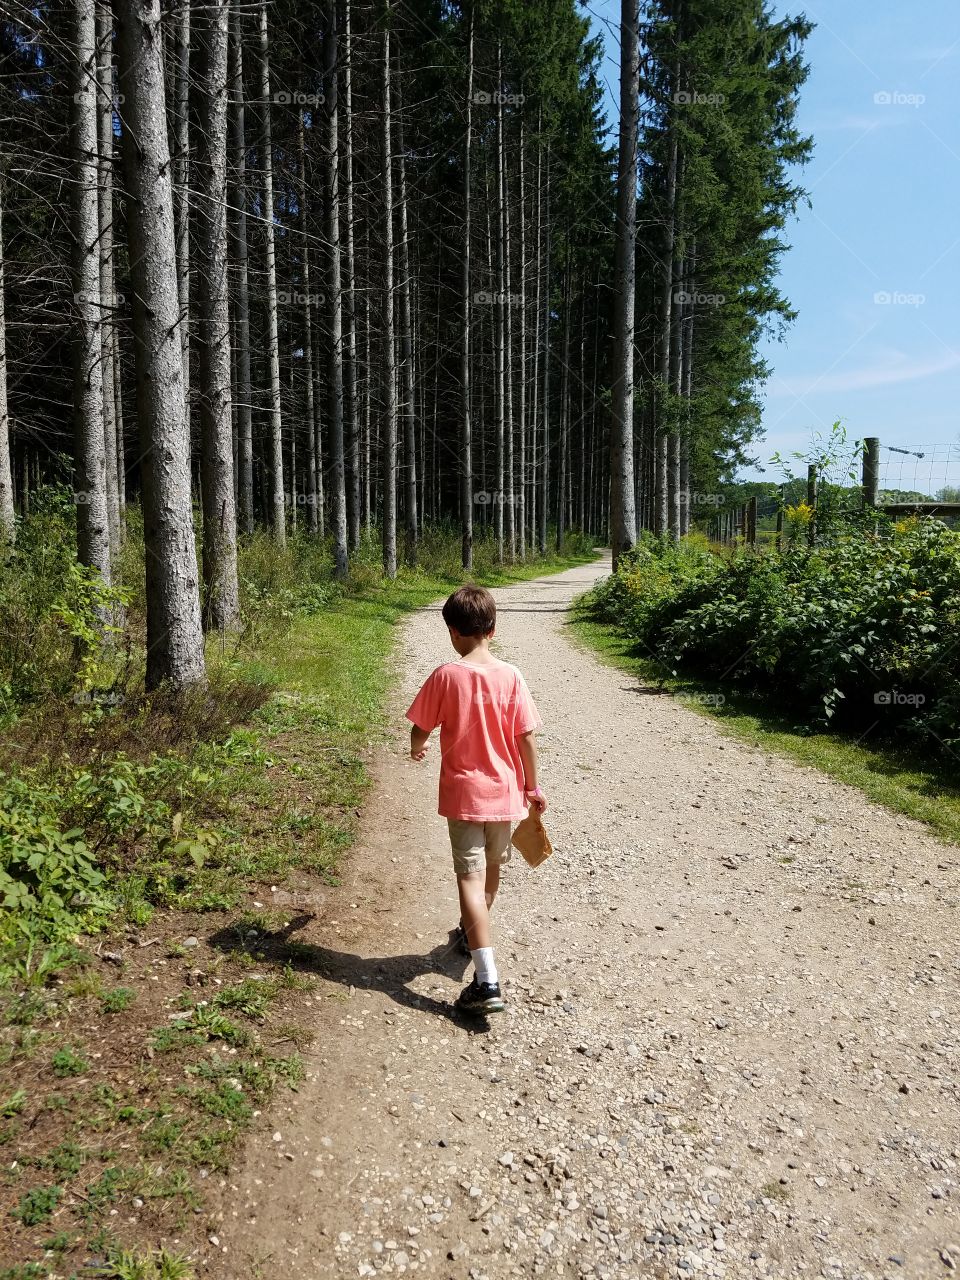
pixel 388 974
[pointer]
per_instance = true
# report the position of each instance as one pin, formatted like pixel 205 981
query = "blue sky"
pixel 884 223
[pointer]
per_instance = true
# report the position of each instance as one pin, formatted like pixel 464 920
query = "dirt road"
pixel 730 1046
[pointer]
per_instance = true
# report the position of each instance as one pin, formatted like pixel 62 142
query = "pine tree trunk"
pixel 317 428
pixel 593 523
pixel 221 605
pixel 244 391
pixel 389 452
pixel 507 313
pixel 581 474
pixel 674 497
pixel 350 300
pixel 501 326
pixel 277 495
pixel 466 423
pixel 535 353
pixel 564 411
pixel 406 344
pixel 367 414
pixel 309 411
pixel 338 490
pixel 93 522
pixel 24 482
pixel 662 425
pixel 623 516
pixel 520 521
pixel 292 470
pixel 104 23
pixel 545 337
pixel 686 391
pixel 174 634
pixel 8 527
pixel 118 412
pixel 180 144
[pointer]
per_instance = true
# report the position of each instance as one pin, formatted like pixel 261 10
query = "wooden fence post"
pixel 812 487
pixel 870 473
pixel 780 518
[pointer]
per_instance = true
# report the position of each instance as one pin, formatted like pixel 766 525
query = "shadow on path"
pixel 389 974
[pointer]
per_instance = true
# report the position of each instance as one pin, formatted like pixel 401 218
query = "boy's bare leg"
pixel 472 888
pixel 492 883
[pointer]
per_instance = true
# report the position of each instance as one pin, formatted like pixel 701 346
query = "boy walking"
pixel 488 771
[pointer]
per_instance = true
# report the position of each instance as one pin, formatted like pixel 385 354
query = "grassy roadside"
pixel 133 1061
pixel 341 655
pixel 893 776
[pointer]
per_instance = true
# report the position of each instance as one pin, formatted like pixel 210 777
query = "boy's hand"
pixel 536 800
pixel 416 754
pixel 419 743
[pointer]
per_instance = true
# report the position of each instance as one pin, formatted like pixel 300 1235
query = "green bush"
pixel 37 1205
pixel 66 1062
pixel 50 884
pixel 657 581
pixel 50 609
pixel 139 815
pixel 859 630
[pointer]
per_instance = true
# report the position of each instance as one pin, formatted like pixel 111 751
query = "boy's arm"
pixel 527 746
pixel 425 710
pixel 419 739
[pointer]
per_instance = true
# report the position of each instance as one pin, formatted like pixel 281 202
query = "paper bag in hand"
pixel 532 840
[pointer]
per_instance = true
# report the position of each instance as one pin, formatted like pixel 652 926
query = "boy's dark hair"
pixel 471 611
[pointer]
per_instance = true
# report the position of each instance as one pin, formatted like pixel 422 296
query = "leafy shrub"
pixel 37 1205
pixel 50 609
pixel 14 1104
pixel 117 999
pixel 66 1062
pixel 863 628
pixel 50 885
pixel 655 582
pixel 138 815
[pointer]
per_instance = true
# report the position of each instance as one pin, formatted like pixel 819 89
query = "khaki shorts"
pixel 475 844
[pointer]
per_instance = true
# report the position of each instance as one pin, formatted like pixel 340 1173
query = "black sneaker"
pixel 460 940
pixel 480 997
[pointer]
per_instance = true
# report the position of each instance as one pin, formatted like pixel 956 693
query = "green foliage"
pixel 67 1062
pixel 226 1100
pixel 37 1205
pixel 131 1265
pixel 65 1160
pixel 52 613
pixel 50 885
pixel 59 1243
pixel 107 1189
pixel 862 629
pixel 655 581
pixel 14 1104
pixel 248 997
pixel 117 999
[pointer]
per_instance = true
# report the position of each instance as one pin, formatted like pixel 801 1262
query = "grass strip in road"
pixel 895 776
pixel 342 654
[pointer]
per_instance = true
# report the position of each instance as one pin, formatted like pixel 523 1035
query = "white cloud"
pixel 897 367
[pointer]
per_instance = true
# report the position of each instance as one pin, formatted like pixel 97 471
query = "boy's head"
pixel 471 614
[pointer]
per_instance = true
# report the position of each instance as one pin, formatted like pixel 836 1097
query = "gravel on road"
pixel 730 1042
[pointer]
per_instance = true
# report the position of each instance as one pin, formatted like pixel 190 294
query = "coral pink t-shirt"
pixel 481 710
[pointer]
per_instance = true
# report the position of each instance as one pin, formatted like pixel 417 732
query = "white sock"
pixel 484 964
